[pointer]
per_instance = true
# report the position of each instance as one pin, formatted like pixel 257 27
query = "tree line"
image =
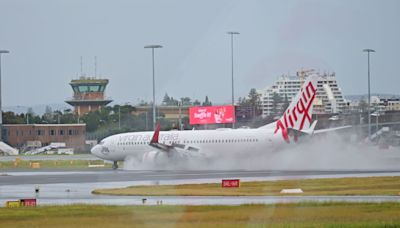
pixel 119 118
pixel 184 101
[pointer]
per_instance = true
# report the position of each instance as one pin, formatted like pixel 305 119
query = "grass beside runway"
pixel 330 186
pixel 53 164
pixel 276 215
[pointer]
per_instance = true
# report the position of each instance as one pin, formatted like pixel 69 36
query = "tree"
pixel 57 116
pixel 206 102
pixel 92 120
pixel 30 111
pixel 11 118
pixel 276 104
pixel 254 98
pixel 241 100
pixel 48 115
pixel 29 115
pixel 196 103
pixel 143 103
pixel 169 101
pixel 68 117
pixel 173 102
pixel 186 101
pixel 166 99
pixel 48 109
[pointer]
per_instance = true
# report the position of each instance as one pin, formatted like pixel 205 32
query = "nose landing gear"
pixel 115 165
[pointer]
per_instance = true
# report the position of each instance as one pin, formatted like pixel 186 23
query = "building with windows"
pixel 385 104
pixel 391 104
pixel 89 94
pixel 169 112
pixel 20 135
pixel 329 98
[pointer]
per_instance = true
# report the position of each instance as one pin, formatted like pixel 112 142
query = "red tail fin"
pixel 156 134
pixel 298 116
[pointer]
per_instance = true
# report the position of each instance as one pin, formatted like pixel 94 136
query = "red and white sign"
pixel 28 202
pixel 212 114
pixel 231 183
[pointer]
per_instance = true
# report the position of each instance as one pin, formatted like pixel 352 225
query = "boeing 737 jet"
pixel 156 146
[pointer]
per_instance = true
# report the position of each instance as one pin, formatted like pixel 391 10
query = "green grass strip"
pixel 332 186
pixel 276 215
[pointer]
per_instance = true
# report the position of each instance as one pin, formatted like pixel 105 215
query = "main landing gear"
pixel 115 165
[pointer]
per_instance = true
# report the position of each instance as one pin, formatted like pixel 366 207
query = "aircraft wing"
pixel 331 129
pixel 168 148
pixel 311 131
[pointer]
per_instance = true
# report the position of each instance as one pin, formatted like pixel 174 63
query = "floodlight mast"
pixel 369 93
pixel 154 83
pixel 1 107
pixel 233 91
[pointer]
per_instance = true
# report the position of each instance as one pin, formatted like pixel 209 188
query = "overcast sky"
pixel 47 37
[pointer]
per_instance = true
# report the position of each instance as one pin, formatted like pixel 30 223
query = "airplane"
pixel 153 147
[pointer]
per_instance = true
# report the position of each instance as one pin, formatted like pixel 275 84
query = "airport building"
pixel 385 104
pixel 169 112
pixel 88 94
pixel 329 98
pixel 378 103
pixel 22 136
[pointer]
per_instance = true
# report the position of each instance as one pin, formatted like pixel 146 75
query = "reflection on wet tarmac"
pixel 73 193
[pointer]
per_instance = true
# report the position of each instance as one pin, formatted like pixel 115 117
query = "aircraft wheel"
pixel 115 165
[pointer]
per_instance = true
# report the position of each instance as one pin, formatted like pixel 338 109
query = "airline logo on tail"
pixel 298 115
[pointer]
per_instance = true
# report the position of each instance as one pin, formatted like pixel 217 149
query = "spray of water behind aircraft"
pixel 331 151
pixel 272 146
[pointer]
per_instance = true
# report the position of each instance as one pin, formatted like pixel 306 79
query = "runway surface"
pixel 50 157
pixel 69 187
pixel 53 176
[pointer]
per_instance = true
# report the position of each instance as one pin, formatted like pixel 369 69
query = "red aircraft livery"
pixel 297 116
pixel 158 147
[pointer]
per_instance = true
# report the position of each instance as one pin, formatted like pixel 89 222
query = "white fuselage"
pixel 268 138
pixel 207 142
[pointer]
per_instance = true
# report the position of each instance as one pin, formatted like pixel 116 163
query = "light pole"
pixel 119 117
pixel 233 92
pixel 180 116
pixel 377 114
pixel 1 107
pixel 369 94
pixel 154 83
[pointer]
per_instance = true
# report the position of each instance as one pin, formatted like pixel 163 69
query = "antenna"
pixel 95 66
pixel 81 66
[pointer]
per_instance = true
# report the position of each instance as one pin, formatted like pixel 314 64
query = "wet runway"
pixel 62 194
pixel 69 187
pixel 81 176
pixel 50 157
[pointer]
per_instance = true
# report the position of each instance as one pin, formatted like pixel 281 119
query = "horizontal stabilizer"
pixel 331 129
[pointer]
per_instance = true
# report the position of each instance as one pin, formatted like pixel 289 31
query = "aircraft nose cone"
pixel 96 150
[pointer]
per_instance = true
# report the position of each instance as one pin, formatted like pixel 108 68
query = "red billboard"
pixel 212 114
pixel 231 183
pixel 28 202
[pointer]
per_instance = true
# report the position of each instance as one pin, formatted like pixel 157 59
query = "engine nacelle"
pixel 154 157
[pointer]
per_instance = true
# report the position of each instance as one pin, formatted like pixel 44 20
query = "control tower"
pixel 88 94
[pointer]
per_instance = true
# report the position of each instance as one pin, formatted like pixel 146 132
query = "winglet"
pixel 156 134
pixel 312 127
